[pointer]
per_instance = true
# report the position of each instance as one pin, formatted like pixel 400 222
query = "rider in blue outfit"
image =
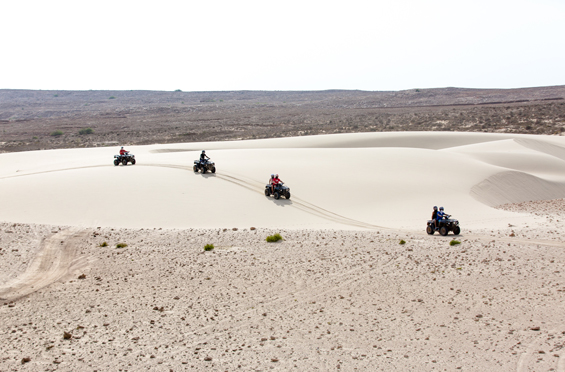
pixel 439 216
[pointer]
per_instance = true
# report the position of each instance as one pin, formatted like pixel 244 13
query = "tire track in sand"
pixel 298 203
pixel 56 258
pixel 529 357
pixel 252 185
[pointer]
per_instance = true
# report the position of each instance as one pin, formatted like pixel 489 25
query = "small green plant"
pixel 55 95
pixel 112 97
pixel 417 90
pixel 103 244
pixel 402 241
pixel 86 131
pixel 208 247
pixel 57 133
pixel 121 245
pixel 274 238
pixel 454 242
pixel 178 90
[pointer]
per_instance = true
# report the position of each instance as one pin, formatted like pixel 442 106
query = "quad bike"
pixel 445 225
pixel 204 166
pixel 280 190
pixel 124 159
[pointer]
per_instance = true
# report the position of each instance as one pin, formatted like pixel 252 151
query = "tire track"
pixel 301 204
pixel 57 258
pixel 531 352
pixel 52 171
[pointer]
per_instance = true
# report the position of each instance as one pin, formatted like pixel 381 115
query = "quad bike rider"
pixel 275 187
pixel 442 222
pixel 203 164
pixel 124 157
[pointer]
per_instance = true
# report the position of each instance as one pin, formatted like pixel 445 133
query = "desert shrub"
pixel 454 242
pixel 112 97
pixel 103 244
pixel 178 90
pixel 86 131
pixel 402 241
pixel 57 133
pixel 274 238
pixel 121 245
pixel 208 247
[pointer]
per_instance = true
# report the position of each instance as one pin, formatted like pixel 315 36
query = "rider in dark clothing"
pixel 203 158
pixel 434 217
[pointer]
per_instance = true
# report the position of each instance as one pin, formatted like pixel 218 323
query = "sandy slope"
pixel 325 300
pixel 339 293
pixel 337 181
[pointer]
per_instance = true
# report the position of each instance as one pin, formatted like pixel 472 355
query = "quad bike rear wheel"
pixel 277 195
pixel 116 162
pixel 456 230
pixel 443 231
pixel 195 168
pixel 267 192
pixel 430 230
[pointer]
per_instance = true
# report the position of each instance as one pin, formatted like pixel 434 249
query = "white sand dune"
pixel 347 181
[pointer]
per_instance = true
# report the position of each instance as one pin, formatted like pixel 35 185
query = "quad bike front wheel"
pixel 124 162
pixel 116 162
pixel 204 170
pixel 456 230
pixel 443 231
pixel 132 161
pixel 213 170
pixel 288 195
pixel 430 230
pixel 277 195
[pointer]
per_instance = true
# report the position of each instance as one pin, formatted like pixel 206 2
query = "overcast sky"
pixel 281 45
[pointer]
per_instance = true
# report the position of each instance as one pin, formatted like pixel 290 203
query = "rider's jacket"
pixel 123 152
pixel 440 215
pixel 275 181
pixel 203 157
pixel 434 215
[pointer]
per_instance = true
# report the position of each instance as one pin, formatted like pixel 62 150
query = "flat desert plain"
pixel 103 267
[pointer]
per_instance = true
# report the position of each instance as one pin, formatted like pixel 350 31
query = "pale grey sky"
pixel 281 45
